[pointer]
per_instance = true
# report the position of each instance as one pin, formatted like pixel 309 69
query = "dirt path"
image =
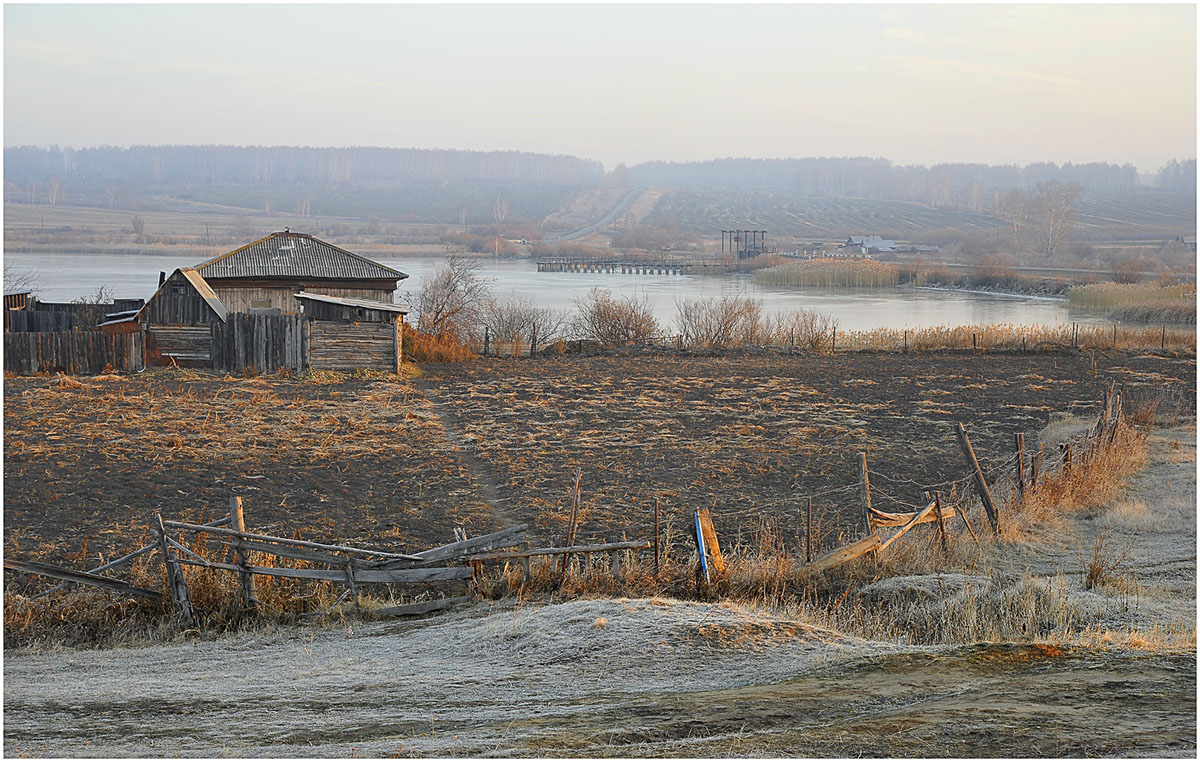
pixel 594 678
pixel 487 487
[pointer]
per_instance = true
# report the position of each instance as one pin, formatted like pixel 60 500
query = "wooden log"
pixel 175 579
pixel 287 541
pixel 82 578
pixel 416 609
pixel 301 554
pixel 985 494
pixel 884 519
pixel 967 524
pixel 916 520
pixel 1019 444
pixel 842 555
pixel 505 555
pixel 361 576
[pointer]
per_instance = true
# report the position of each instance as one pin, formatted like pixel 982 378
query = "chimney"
pixel 162 277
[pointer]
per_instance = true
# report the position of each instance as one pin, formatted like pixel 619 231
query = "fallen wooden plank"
pixel 916 520
pixel 286 541
pixel 843 554
pixel 415 609
pixel 505 538
pixel 338 575
pixel 301 554
pixel 883 519
pixel 82 578
pixel 505 555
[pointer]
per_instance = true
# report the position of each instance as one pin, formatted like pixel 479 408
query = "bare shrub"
pixel 90 311
pixel 721 323
pixel 807 329
pixel 511 320
pixel 613 322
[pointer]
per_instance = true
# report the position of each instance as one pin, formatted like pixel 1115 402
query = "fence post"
pixel 1164 337
pixel 656 536
pixel 175 580
pixel 808 534
pixel 937 509
pixel 864 495
pixel 1035 465
pixel 533 341
pixel 1020 446
pixel 237 523
pixel 981 484
pixel 487 340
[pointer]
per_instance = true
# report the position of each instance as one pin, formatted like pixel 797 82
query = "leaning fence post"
pixel 237 523
pixel 175 580
pixel 864 495
pixel 981 484
pixel 937 509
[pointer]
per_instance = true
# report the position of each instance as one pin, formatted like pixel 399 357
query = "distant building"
pixel 868 244
pixel 267 274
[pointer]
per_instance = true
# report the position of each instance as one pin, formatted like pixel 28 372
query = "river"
pixel 69 276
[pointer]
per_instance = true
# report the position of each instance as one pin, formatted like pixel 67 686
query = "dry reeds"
pixel 1137 302
pixel 831 273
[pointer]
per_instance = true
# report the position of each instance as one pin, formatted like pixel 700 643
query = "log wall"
pixel 349 346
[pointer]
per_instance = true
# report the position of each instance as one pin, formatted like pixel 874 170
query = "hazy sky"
pixel 617 83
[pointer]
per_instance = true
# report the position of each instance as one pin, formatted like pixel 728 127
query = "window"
pixel 256 304
pixel 178 289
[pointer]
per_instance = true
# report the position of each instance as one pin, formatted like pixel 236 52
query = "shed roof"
pixel 367 304
pixel 295 255
pixel 201 287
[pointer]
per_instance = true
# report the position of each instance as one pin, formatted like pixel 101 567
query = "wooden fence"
pixel 264 342
pixel 73 352
pixel 39 321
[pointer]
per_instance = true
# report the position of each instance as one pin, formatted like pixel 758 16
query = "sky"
pixel 917 84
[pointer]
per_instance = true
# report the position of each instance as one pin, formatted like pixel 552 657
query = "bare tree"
pixel 1055 202
pixel 1015 205
pixel 90 311
pixel 20 281
pixel 499 214
pixel 452 302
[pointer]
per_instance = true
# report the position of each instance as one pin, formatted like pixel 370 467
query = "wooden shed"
pixel 347 333
pixel 266 274
pixel 178 320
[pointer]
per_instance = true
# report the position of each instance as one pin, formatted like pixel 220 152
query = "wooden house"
pixel 346 333
pixel 266 275
pixel 178 319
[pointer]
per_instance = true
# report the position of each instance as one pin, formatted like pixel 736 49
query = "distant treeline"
pixel 256 165
pixel 965 186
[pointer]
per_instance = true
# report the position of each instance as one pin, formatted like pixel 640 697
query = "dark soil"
pixel 88 461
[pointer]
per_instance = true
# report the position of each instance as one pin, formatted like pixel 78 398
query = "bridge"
pixel 633 266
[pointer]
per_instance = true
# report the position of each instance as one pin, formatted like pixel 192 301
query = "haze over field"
pixel 917 84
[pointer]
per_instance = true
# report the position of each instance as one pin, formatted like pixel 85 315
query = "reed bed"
pixel 985 337
pixel 830 273
pixel 1139 302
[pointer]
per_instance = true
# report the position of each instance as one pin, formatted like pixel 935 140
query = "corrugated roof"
pixel 368 304
pixel 201 287
pixel 295 255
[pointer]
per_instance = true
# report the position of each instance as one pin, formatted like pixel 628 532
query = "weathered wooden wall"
pixel 74 352
pixel 187 308
pixel 348 346
pixel 283 297
pixel 266 342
